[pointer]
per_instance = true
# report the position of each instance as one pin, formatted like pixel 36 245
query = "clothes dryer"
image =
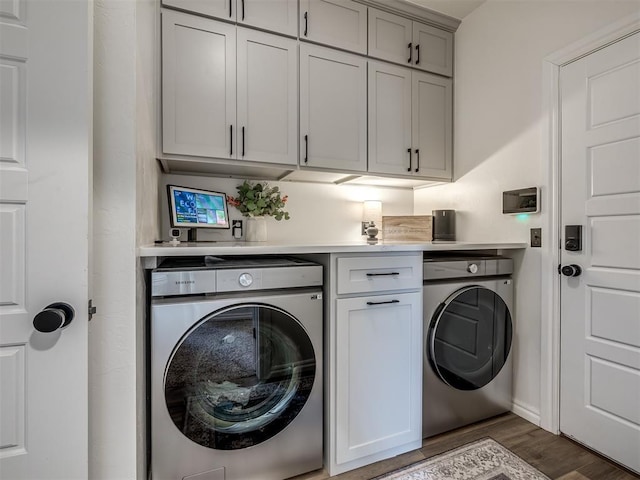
pixel 468 304
pixel 236 369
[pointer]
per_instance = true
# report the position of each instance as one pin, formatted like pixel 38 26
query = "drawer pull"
pixel 382 303
pixel 382 274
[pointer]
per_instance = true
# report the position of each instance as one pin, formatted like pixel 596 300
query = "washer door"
pixel 239 376
pixel 469 338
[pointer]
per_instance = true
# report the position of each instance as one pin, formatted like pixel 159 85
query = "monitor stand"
pixel 192 235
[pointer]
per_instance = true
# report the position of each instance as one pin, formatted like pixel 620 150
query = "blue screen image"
pixel 198 208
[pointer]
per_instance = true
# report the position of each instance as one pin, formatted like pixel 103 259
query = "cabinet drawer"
pixel 377 274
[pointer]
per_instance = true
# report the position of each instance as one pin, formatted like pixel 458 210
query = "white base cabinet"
pixel 378 355
pixel 373 330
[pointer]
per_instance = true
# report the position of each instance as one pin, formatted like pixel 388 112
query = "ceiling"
pixel 454 8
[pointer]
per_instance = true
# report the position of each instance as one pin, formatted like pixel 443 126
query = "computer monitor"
pixel 194 208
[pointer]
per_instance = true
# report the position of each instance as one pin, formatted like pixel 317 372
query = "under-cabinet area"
pixel 354 91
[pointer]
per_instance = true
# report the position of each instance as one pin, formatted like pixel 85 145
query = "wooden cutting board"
pixel 410 228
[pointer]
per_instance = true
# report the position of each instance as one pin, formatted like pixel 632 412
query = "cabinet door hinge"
pixel 92 310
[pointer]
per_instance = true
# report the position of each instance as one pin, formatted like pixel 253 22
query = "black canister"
pixel 444 225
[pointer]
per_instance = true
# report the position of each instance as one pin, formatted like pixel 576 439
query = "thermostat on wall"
pixel 525 200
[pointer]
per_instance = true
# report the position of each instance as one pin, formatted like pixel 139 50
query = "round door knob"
pixel 54 316
pixel 571 270
pixel 472 268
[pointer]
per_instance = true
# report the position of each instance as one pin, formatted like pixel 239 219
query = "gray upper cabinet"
pixel 225 9
pixel 198 86
pixel 410 129
pixel 279 16
pixel 274 15
pixel 336 23
pixel 403 41
pixel 432 125
pixel 333 109
pixel 228 92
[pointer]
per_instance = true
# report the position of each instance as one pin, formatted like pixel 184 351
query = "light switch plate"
pixel 536 237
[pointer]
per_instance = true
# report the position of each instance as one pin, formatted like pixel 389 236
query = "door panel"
pixel 337 23
pixel 267 98
pixel 600 310
pixel 333 109
pixel 390 37
pixel 45 132
pixel 214 8
pixel 274 15
pixel 198 86
pixel 434 49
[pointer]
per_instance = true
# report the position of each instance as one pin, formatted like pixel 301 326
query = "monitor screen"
pixel 194 208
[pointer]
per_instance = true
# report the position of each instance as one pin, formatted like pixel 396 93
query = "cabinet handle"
pixel 231 139
pixel 410 46
pixel 417 54
pixel 306 22
pixel 230 12
pixel 418 162
pixel 243 141
pixel 382 303
pixel 409 152
pixel 382 274
pixel 242 9
pixel 306 148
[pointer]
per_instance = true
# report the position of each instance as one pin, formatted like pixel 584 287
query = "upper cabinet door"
pixel 274 15
pixel 390 119
pixel 432 126
pixel 433 49
pixel 224 9
pixel 337 23
pixel 267 98
pixel 198 86
pixel 390 37
pixel 333 109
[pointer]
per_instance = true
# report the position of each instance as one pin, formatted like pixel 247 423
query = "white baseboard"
pixel 526 411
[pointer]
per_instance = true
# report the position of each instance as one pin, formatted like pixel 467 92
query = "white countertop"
pixel 265 248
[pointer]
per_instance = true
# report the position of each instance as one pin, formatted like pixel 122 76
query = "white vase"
pixel 256 229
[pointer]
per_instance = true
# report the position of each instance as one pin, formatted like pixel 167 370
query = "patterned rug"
pixel 485 459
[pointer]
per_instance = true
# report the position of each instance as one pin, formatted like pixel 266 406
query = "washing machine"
pixel 467 371
pixel 235 368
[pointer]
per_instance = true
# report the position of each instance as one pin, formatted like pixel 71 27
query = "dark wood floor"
pixel 555 456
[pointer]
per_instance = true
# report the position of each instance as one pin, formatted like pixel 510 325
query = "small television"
pixel 193 208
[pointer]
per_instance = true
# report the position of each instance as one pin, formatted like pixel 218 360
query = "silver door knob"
pixel 53 317
pixel 472 268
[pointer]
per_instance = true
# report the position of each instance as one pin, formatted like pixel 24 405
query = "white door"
pixel 274 15
pixel 600 309
pixel 45 154
pixel 267 98
pixel 389 119
pixel 333 109
pixel 198 86
pixel 432 126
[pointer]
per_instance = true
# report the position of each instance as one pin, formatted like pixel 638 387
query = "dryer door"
pixel 469 338
pixel 239 376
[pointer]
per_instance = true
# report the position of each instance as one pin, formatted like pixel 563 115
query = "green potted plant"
pixel 257 201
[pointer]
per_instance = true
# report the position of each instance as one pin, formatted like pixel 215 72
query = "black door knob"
pixel 571 270
pixel 54 316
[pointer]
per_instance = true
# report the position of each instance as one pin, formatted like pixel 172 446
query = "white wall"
pixel 319 212
pixel 498 138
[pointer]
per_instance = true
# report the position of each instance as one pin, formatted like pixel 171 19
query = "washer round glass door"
pixel 239 376
pixel 469 338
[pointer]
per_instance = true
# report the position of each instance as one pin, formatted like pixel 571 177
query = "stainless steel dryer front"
pixel 236 369
pixel 467 339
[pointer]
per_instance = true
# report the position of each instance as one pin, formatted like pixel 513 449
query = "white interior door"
pixel 45 145
pixel 600 309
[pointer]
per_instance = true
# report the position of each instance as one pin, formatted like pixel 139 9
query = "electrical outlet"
pixel 536 237
pixel 365 225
